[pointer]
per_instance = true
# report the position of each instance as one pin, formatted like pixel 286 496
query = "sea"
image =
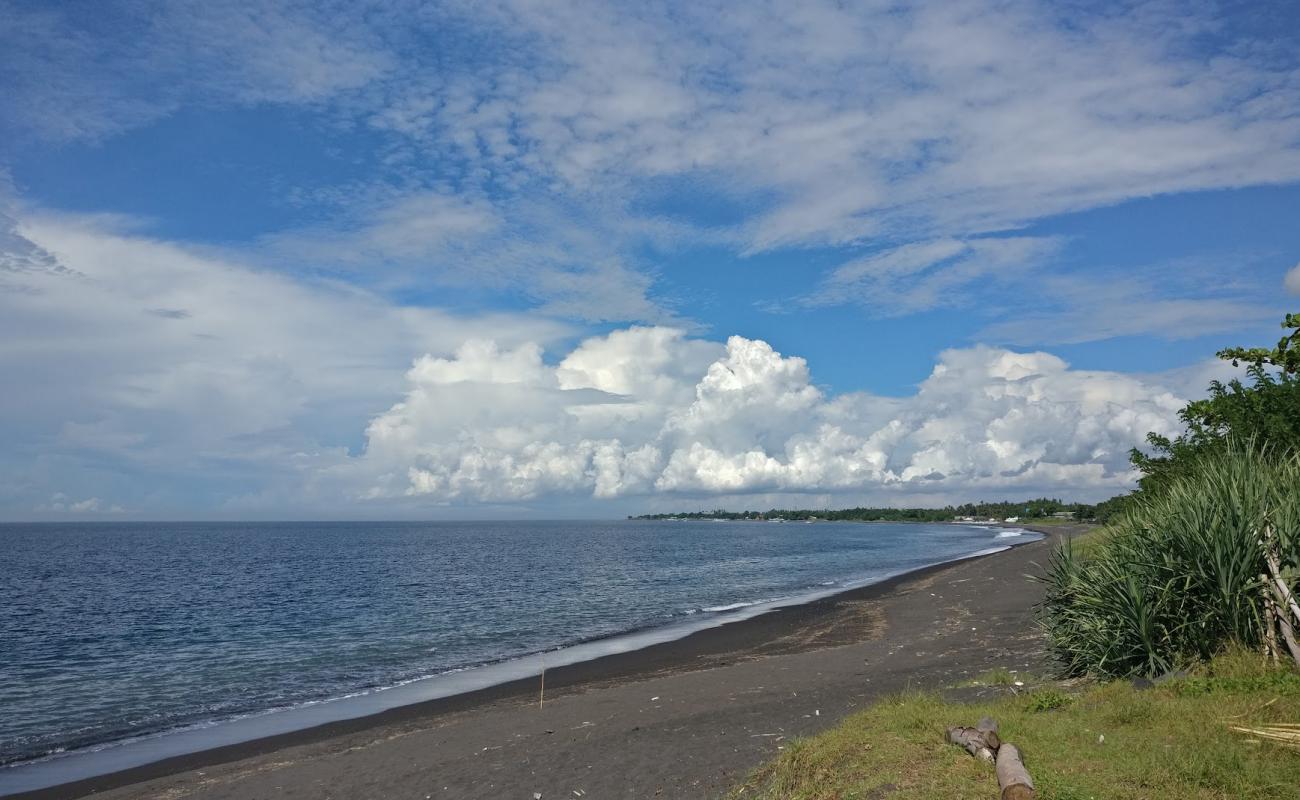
pixel 125 643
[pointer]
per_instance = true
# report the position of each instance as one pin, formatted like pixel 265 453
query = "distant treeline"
pixel 1040 507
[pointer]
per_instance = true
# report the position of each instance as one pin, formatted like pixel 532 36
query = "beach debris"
pixel 656 697
pixel 984 742
pixel 537 796
pixel 1282 733
pixel 981 741
pixel 1013 778
pixel 541 690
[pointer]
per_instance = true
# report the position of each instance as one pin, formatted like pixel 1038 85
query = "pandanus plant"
pixel 1184 571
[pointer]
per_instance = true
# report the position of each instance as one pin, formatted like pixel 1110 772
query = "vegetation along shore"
pixel 1171 631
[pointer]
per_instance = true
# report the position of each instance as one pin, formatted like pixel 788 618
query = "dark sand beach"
pixel 683 719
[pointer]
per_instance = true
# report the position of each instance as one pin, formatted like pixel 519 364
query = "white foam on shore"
pixel 124 754
pixel 731 607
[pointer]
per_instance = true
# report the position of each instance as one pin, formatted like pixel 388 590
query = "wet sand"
pixel 683 719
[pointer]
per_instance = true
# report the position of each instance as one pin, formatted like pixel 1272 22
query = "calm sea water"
pixel 112 631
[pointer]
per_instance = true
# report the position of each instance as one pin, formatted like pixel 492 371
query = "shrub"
pixel 1047 700
pixel 1176 577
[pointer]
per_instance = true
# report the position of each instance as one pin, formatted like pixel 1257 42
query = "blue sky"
pixel 272 259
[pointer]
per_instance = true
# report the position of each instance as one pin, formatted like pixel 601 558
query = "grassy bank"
pixel 1173 740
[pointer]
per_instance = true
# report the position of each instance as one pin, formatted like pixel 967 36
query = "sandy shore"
pixel 682 719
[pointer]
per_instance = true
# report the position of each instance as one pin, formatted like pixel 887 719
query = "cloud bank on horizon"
pixel 267 257
pixel 646 410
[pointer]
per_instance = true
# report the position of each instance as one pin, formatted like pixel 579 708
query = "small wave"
pixel 1009 535
pixel 732 607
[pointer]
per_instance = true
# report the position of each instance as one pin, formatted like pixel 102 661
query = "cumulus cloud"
pixel 524 151
pixel 492 424
pixel 1292 280
pixel 182 368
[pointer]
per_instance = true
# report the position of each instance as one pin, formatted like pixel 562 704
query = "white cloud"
pixel 517 147
pixel 913 126
pixel 874 120
pixel 412 227
pixel 60 503
pixel 569 264
pixel 493 425
pixel 179 367
pixel 1169 301
pixel 845 123
pixel 141 370
pixel 1292 280
pixel 925 275
pixel 83 71
pixel 524 137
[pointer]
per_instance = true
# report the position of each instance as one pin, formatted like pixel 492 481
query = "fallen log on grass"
pixel 990 730
pixel 975 742
pixel 1013 778
pixel 984 743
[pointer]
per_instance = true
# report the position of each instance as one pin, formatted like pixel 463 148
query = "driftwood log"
pixel 984 743
pixel 989 728
pixel 975 741
pixel 1013 778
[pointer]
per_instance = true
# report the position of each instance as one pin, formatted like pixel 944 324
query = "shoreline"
pixel 710 647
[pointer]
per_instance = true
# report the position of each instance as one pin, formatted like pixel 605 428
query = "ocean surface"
pixel 124 632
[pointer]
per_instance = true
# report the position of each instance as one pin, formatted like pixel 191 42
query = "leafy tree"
pixel 1265 412
pixel 1106 510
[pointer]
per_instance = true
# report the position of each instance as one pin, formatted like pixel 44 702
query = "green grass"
pixel 1108 740
pixel 1089 543
pixel 994 677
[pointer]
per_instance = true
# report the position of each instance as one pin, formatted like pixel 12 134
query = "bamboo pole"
pixel 1288 633
pixel 1284 599
pixel 1270 634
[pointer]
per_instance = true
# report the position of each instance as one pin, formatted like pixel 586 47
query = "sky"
pixel 265 259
